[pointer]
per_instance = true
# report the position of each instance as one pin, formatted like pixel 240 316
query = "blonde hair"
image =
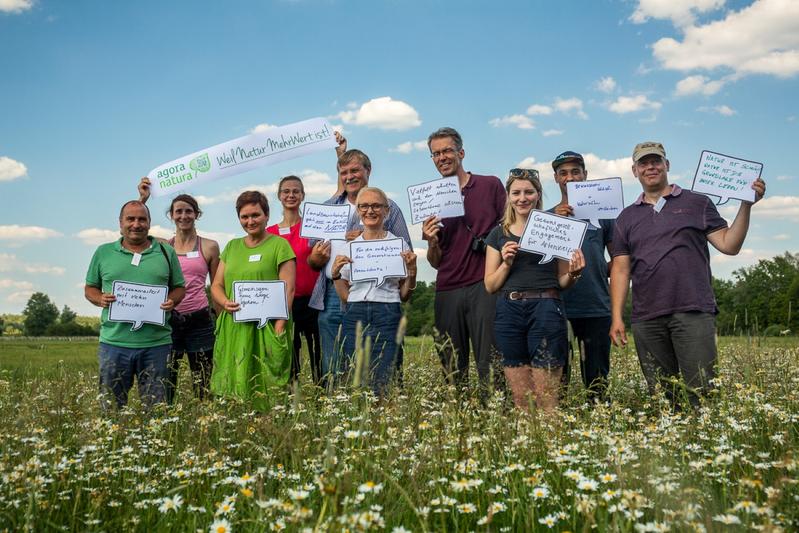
pixel 516 174
pixel 378 192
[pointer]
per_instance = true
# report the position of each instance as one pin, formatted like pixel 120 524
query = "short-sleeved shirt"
pixel 368 290
pixel 260 263
pixel 589 296
pixel 306 276
pixel 484 203
pixel 669 257
pixel 112 262
pixel 394 223
pixel 526 273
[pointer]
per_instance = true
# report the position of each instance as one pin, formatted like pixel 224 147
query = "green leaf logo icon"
pixel 201 163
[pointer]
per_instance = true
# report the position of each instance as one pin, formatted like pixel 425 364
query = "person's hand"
pixel 353 234
pixel 564 210
pixel 759 186
pixel 231 306
pixel 322 250
pixel 144 189
pixel 342 144
pixel 508 252
pixel 280 326
pixel 617 333
pixel 410 262
pixel 431 230
pixel 576 263
pixel 106 298
pixel 168 305
pixel 338 264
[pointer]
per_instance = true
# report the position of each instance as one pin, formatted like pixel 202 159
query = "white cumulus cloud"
pixel 680 12
pixel 15 6
pixel 606 84
pixel 570 105
pixel 724 110
pixel 11 263
pixel 522 122
pixel 97 236
pixel 596 166
pixel 17 233
pixel 19 297
pixel 632 104
pixel 538 109
pixel 551 133
pixel 262 127
pixel 409 146
pixel 783 208
pixel 11 170
pixel 761 38
pixel 14 284
pixel 383 113
pixel 698 84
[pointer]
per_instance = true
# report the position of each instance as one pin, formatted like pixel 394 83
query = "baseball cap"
pixel 566 157
pixel 648 148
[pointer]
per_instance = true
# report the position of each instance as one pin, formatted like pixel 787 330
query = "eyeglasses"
pixel 528 173
pixel 374 207
pixel 445 151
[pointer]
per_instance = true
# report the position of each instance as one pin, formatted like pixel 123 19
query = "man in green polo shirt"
pixel 125 350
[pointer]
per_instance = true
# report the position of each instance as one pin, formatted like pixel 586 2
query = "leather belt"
pixel 534 295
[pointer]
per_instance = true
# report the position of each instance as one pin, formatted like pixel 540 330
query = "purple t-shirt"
pixel 669 257
pixel 484 203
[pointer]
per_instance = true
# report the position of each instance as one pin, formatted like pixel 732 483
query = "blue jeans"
pixel 379 323
pixel 118 367
pixel 594 346
pixel 531 332
pixel 330 333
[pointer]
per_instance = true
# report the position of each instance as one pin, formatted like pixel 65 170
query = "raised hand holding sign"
pixel 138 303
pixel 552 235
pixel 726 177
pixel 377 260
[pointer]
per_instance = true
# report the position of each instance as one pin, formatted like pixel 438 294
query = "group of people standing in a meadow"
pixel 493 299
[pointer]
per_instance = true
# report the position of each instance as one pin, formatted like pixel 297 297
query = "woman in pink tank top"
pixel 192 321
pixel 290 193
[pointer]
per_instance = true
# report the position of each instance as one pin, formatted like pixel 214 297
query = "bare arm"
pixel 342 285
pixel 569 271
pixel 319 256
pixel 409 282
pixel 174 298
pixel 211 253
pixel 730 240
pixel 218 291
pixel 287 272
pixel 98 297
pixel 498 263
pixel 619 285
pixel 144 189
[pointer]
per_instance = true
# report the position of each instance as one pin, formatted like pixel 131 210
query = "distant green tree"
pixel 40 313
pixel 419 310
pixel 2 325
pixel 67 315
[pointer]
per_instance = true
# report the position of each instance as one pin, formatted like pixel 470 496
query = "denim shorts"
pixel 531 332
pixel 192 332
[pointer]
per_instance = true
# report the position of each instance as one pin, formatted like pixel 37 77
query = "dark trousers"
pixel 593 344
pixel 201 365
pixel 306 324
pixel 462 316
pixel 680 344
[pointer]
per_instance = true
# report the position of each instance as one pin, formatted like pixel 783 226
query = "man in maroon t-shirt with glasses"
pixel 661 242
pixel 464 310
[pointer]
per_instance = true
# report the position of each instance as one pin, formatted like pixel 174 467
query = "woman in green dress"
pixel 249 361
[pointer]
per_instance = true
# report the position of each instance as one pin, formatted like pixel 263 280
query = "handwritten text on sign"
pixel 325 221
pixel 440 197
pixel 726 177
pixel 596 199
pixel 552 235
pixel 243 154
pixel 260 301
pixel 138 303
pixel 377 260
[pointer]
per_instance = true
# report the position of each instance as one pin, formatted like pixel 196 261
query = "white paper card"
pixel 596 199
pixel 440 197
pixel 337 247
pixel 242 154
pixel 377 260
pixel 194 254
pixel 324 221
pixel 137 303
pixel 254 258
pixel 260 301
pixel 552 235
pixel 660 204
pixel 726 177
pixel 136 259
pixel 284 231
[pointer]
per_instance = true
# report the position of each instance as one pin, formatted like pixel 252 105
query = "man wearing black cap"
pixel 587 302
pixel 660 242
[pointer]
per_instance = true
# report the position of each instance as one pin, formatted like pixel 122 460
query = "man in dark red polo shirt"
pixel 464 311
pixel 661 242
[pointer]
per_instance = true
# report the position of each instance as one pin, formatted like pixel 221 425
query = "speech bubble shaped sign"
pixel 138 303
pixel 337 247
pixel 440 197
pixel 596 199
pixel 260 301
pixel 325 221
pixel 552 235
pixel 377 260
pixel 726 177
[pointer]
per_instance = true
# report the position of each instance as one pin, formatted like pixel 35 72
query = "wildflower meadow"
pixel 423 459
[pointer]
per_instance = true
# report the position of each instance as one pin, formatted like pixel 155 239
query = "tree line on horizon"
pixel 758 300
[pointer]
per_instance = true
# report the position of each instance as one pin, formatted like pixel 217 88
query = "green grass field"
pixel 424 460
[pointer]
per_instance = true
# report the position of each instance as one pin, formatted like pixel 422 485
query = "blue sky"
pixel 95 94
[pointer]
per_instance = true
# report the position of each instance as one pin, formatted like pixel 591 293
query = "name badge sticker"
pixel 193 254
pixel 660 204
pixel 254 258
pixel 284 231
pixel 136 259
